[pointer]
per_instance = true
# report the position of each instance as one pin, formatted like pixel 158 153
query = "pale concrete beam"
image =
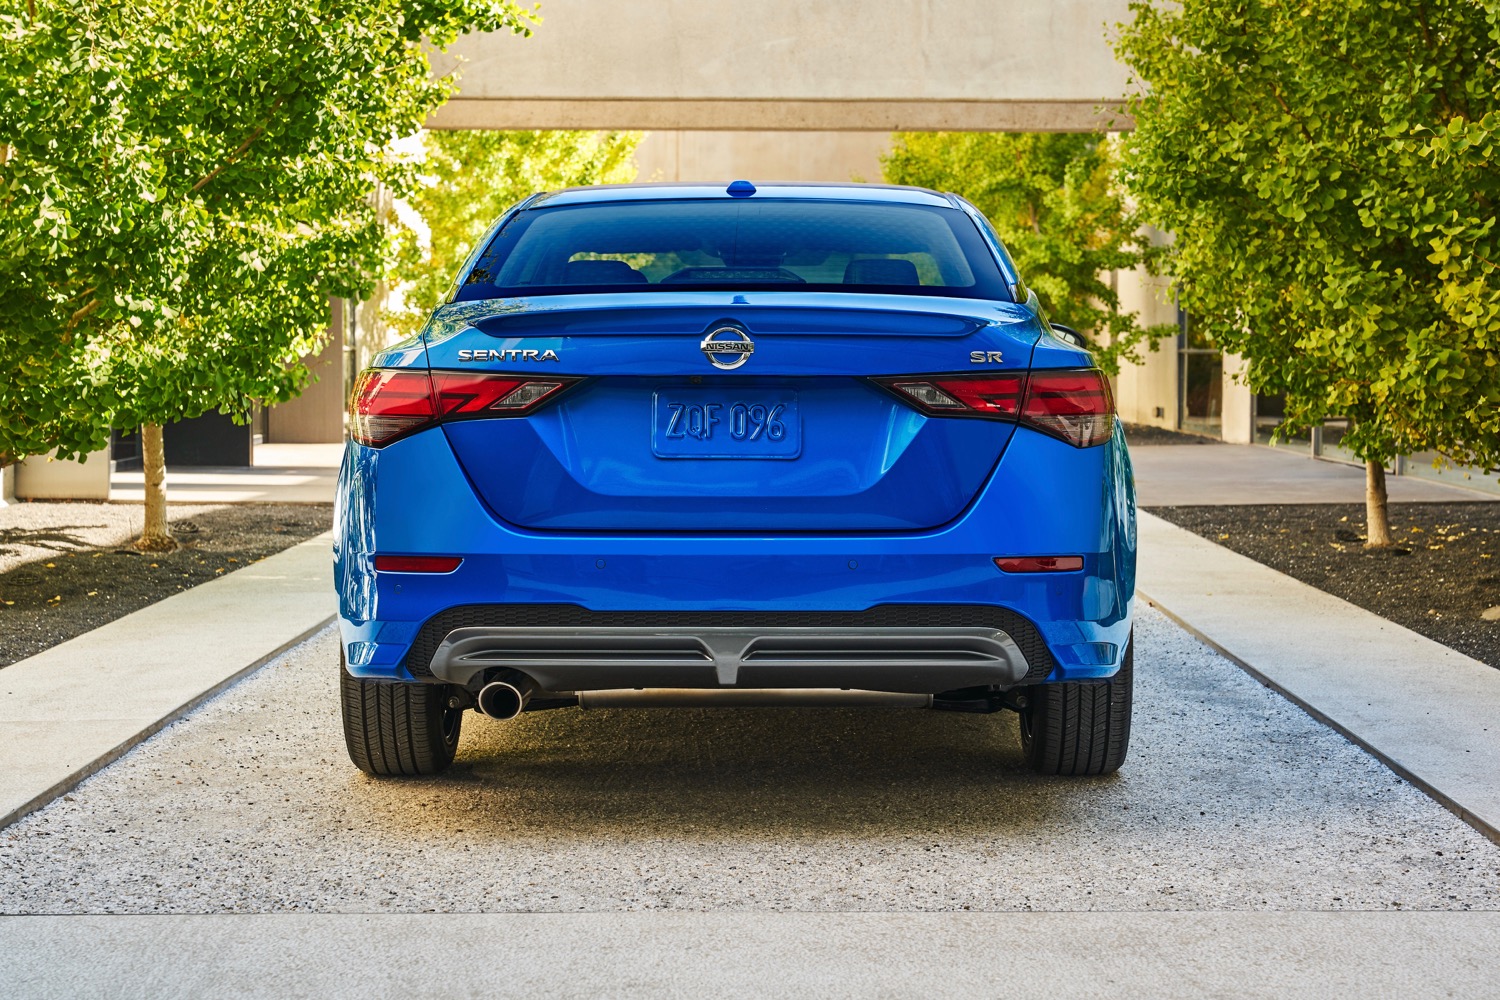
pixel 1091 115
pixel 880 65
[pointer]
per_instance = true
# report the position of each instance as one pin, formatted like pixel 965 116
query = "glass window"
pixel 1270 410
pixel 787 245
pixel 1200 379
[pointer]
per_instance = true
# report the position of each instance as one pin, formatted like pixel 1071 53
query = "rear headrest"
pixel 601 272
pixel 881 271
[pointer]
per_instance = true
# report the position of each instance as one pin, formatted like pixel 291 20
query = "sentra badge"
pixel 507 355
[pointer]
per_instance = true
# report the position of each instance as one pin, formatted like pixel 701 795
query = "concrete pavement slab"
pixel 1290 956
pixel 1176 475
pixel 66 712
pixel 282 473
pixel 1430 713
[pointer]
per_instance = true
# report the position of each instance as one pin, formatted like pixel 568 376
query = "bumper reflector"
pixel 416 564
pixel 1039 564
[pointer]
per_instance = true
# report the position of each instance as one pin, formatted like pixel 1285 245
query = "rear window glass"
pixel 692 245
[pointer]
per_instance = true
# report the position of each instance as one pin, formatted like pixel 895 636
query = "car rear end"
pixel 691 446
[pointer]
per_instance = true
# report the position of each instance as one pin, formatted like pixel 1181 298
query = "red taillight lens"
pixel 417 564
pixel 1039 564
pixel 981 395
pixel 461 394
pixel 390 403
pixel 1073 405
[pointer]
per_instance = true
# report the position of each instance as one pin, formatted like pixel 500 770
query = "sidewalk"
pixel 1080 956
pixel 1429 713
pixel 69 711
pixel 282 473
pixel 1186 475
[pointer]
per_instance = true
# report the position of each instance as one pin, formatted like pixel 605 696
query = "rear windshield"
pixel 693 245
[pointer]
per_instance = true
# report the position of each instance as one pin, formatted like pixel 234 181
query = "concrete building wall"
pixel 761 156
pixel 1239 402
pixel 1146 393
pixel 877 65
pixel 316 416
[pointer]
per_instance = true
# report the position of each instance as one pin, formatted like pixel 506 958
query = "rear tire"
pixel 1079 729
pixel 398 729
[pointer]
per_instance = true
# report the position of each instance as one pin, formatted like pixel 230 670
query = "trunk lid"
pixel 789 435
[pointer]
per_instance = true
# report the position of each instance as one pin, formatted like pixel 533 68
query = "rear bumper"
pixel 412 498
pixel 913 660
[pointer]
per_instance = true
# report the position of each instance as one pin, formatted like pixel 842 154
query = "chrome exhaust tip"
pixel 504 700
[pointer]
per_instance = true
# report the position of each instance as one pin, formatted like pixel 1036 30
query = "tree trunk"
pixel 1377 513
pixel 156 536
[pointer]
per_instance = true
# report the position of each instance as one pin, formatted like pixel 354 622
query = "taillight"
pixel 390 403
pixel 972 395
pixel 1074 405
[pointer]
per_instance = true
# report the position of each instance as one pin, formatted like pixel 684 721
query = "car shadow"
pixel 750 772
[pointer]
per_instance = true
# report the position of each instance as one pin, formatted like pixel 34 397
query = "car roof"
pixel 672 191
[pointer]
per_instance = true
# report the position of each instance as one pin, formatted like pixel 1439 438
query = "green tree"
pixel 1329 172
pixel 467 179
pixel 183 185
pixel 1055 202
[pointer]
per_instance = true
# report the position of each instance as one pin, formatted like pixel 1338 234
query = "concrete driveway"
pixel 1232 799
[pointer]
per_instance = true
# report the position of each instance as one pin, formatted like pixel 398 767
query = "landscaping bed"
pixel 1143 434
pixel 1439 580
pixel 66 568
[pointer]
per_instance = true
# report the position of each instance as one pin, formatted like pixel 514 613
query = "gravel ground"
pixel 1231 799
pixel 1146 434
pixel 66 568
pixel 1441 580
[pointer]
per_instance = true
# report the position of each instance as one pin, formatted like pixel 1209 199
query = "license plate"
pixel 712 423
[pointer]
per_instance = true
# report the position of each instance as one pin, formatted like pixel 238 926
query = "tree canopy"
pixel 1328 170
pixel 468 179
pixel 1055 201
pixel 183 184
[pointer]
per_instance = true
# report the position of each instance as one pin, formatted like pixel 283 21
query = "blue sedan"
pixel 701 445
